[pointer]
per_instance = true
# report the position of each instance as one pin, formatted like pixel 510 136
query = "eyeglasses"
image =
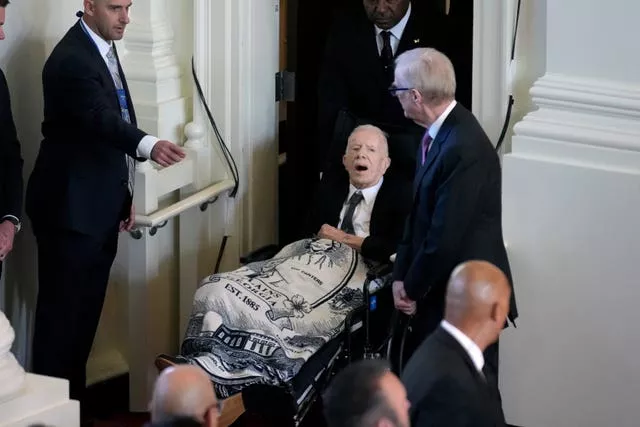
pixel 393 90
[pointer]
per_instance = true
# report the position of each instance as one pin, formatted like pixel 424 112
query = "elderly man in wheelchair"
pixel 270 332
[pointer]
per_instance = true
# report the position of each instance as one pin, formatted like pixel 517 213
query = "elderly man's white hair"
pixel 383 135
pixel 430 72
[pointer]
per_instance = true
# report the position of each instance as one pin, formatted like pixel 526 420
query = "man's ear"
pixel 89 7
pixel 387 163
pixel 416 96
pixel 344 161
pixel 498 313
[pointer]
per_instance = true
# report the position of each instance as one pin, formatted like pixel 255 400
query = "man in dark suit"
pixel 10 164
pixel 366 394
pixel 79 194
pixel 358 65
pixel 457 208
pixel 367 211
pixel 445 378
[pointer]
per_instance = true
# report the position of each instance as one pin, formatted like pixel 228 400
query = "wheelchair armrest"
pixel 379 271
pixel 261 254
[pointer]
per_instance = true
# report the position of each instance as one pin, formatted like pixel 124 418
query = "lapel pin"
pixel 416 41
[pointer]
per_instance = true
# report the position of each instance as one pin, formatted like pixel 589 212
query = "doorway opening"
pixel 304 28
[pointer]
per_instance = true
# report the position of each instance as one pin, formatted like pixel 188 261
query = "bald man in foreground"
pixel 184 396
pixel 445 380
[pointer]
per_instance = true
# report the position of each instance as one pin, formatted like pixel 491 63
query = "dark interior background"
pixel 305 28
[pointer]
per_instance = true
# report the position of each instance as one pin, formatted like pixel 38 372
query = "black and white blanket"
pixel 262 322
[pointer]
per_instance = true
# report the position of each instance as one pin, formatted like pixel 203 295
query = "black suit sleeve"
pixel 10 157
pixel 446 405
pixel 84 101
pixel 378 248
pixel 384 243
pixel 460 184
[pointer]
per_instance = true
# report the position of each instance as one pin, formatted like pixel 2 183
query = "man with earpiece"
pixel 80 194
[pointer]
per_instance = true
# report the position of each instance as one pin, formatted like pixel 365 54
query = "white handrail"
pixel 202 196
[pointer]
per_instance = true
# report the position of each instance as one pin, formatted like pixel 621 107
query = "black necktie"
pixel 347 221
pixel 387 55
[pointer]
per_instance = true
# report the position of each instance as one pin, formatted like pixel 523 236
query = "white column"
pixel 152 71
pixel 27 399
pixel 11 373
pixel 571 203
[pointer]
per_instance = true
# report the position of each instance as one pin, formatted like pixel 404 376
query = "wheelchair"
pixel 367 329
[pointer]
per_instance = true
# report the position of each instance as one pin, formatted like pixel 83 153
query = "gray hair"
pixel 430 72
pixel 383 135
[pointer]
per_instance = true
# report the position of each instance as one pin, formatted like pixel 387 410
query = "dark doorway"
pixel 304 26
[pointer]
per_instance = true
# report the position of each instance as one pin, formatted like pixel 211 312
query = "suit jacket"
pixel 10 157
pixel 80 179
pixel 445 388
pixel 387 218
pixel 456 214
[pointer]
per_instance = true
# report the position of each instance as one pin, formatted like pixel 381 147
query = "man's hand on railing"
pixel 166 153
pixel 127 224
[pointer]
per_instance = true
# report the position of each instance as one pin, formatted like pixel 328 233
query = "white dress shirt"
pixel 435 127
pixel 147 142
pixel 470 347
pixel 362 213
pixel 396 33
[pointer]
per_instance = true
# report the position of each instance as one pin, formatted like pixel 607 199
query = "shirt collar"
pixel 369 194
pixel 471 348
pixel 398 29
pixel 103 45
pixel 435 127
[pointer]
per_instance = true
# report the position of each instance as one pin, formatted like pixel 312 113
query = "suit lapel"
pixel 432 155
pixel 448 340
pixel 369 46
pixel 436 147
pixel 85 40
pixel 410 37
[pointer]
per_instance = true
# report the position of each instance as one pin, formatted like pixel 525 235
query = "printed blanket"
pixel 262 322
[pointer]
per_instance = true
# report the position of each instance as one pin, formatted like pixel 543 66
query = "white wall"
pixel 571 197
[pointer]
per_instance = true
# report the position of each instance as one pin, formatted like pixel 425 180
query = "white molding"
pixel 582 120
pixel 42 401
pixel 592 96
pixel 152 71
pixel 491 81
